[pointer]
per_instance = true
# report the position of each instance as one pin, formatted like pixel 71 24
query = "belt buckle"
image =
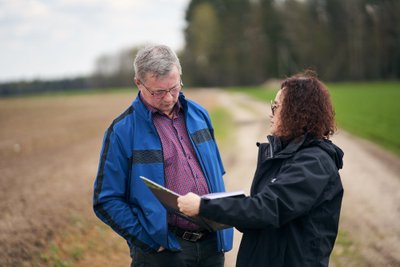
pixel 192 237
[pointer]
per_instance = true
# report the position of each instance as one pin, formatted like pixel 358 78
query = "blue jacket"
pixel 132 148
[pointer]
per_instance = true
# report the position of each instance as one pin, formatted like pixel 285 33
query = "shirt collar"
pixel 176 109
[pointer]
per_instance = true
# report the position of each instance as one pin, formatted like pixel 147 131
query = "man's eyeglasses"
pixel 274 106
pixel 161 93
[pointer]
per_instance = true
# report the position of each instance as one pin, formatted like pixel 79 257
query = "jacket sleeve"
pixel 109 200
pixel 292 193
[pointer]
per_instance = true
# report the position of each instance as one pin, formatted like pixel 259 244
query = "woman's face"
pixel 275 112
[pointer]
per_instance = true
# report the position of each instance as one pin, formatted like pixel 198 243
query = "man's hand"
pixel 189 204
pixel 161 249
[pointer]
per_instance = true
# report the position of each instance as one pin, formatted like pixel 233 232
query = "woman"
pixel 292 214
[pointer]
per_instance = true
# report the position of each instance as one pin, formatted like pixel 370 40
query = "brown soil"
pixel 49 150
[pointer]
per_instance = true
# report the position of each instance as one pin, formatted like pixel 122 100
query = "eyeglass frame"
pixel 162 93
pixel 274 106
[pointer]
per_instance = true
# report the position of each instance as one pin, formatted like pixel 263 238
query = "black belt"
pixel 189 235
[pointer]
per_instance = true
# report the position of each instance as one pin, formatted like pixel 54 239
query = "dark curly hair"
pixel 306 108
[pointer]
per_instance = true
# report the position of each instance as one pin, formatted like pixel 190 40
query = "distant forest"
pixel 246 42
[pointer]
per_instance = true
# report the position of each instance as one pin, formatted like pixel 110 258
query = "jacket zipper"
pixel 162 155
pixel 271 151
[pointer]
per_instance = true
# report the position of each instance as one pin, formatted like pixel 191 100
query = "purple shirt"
pixel 183 173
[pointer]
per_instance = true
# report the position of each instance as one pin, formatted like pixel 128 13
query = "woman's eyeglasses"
pixel 161 93
pixel 274 106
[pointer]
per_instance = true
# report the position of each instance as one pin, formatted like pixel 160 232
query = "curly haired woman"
pixel 291 217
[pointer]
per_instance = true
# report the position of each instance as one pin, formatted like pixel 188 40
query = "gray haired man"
pixel 170 140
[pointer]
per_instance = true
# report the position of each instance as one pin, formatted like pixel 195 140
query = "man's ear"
pixel 137 81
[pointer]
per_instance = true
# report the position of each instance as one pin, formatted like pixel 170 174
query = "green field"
pixel 369 110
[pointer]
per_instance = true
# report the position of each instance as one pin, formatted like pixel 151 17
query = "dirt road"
pixel 371 178
pixel 49 151
pixel 251 126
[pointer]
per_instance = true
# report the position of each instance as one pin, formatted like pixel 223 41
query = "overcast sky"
pixel 63 38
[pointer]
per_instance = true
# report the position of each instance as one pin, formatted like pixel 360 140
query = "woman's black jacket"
pixel 292 215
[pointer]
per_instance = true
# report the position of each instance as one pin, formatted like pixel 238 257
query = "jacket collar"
pixel 277 148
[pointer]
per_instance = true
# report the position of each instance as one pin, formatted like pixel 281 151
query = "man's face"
pixel 161 93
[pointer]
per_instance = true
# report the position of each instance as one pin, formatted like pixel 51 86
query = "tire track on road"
pixel 251 126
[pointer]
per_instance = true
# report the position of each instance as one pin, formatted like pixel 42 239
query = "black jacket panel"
pixel 291 217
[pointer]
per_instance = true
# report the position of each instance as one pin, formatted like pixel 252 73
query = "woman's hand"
pixel 189 204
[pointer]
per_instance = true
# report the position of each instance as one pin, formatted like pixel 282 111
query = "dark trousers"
pixel 194 254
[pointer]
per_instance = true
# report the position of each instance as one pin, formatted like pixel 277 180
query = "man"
pixel 168 139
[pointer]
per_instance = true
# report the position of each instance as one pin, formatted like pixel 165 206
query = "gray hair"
pixel 157 60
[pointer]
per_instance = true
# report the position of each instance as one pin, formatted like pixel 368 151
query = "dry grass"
pixel 49 150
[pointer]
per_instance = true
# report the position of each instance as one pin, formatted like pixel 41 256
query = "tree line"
pixel 111 70
pixel 246 42
pixel 238 42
